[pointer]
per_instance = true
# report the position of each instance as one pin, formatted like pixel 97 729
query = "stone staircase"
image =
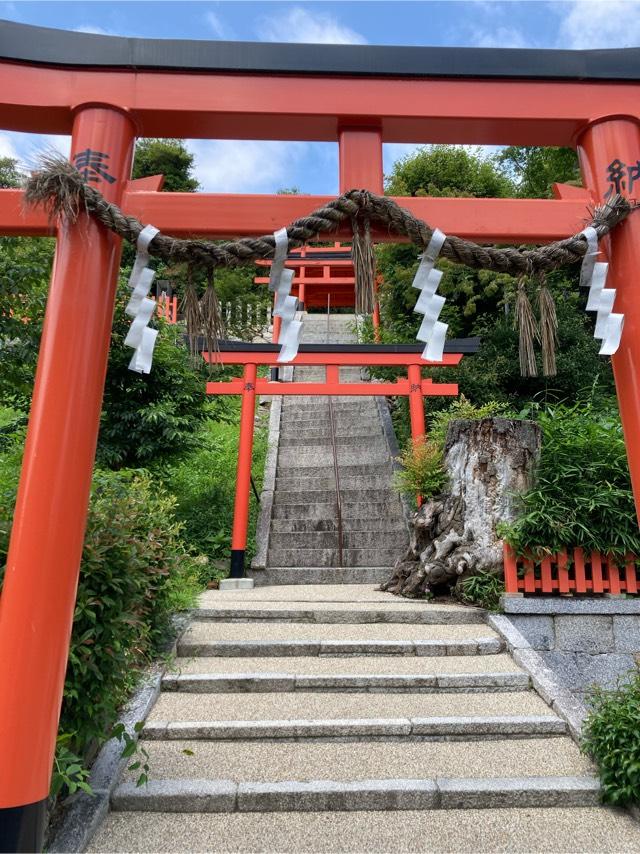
pixel 337 718
pixel 304 539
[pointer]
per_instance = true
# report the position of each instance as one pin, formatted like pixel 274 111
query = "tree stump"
pixel 453 535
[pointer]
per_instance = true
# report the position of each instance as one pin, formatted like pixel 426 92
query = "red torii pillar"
pixel 604 141
pixel 39 592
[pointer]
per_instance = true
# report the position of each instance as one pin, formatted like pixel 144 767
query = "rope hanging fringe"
pixel 62 190
pixel 528 329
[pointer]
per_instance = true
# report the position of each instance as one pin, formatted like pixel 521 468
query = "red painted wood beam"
pixel 219 216
pixel 337 389
pixel 239 357
pixel 240 106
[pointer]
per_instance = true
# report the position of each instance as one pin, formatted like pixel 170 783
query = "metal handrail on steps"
pixel 336 469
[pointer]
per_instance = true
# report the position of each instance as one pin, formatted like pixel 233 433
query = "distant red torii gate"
pixel 106 91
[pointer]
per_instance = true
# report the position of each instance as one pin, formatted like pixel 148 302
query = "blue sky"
pixel 263 167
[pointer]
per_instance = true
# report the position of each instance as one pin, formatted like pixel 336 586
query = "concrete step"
pixel 251 682
pixel 466 831
pixel 351 594
pixel 324 666
pixel 329 540
pixel 319 418
pixel 350 510
pixel 289 576
pixel 323 431
pixel 301 557
pixel 288 483
pixel 354 405
pixel 284 526
pixel 274 762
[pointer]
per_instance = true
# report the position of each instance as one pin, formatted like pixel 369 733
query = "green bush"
pixel 204 484
pixel 422 471
pixel 582 496
pixel 134 574
pixel 146 417
pixel 483 589
pixel 611 737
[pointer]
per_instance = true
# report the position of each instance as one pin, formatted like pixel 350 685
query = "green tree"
pixel 10 175
pixel 447 170
pixel 168 157
pixel 535 168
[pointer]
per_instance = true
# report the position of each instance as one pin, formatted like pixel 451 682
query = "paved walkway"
pixel 337 718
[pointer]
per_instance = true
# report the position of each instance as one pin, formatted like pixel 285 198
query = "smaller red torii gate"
pixel 332 357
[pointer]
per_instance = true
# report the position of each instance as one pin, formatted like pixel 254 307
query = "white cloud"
pixel 298 25
pixel 7 148
pixel 89 28
pixel 499 37
pixel 599 24
pixel 218 28
pixel 245 166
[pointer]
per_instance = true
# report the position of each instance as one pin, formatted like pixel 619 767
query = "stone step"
pixel 320 418
pixel 357 438
pixel 354 405
pixel 301 557
pixel 296 459
pixel 212 608
pixel 348 666
pixel 343 430
pixel 272 762
pixel 448 727
pixel 379 510
pixel 251 682
pixel 215 796
pixel 284 526
pixel 289 576
pixel 326 469
pixel 287 483
pixel 320 496
pixel 593 829
pixel 398 539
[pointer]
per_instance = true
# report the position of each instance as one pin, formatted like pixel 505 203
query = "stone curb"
pixel 263 527
pixel 86 813
pixel 552 605
pixel 336 728
pixel 210 683
pixel 355 616
pixel 217 796
pixel 544 680
pixel 482 646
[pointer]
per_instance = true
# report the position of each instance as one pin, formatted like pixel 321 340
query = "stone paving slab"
pixel 311 648
pixel 267 762
pixel 353 665
pixel 564 831
pixel 313 705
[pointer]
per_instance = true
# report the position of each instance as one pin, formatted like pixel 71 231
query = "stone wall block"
pixel 538 630
pixel 586 634
pixel 626 631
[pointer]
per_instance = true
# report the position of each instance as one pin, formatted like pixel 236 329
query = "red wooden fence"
pixel 168 308
pixel 590 572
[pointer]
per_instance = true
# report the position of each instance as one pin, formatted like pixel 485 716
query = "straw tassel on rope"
pixel 528 330
pixel 364 265
pixel 548 329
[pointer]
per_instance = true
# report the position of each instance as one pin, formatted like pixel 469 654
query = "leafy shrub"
pixel 134 574
pixel 204 484
pixel 483 589
pixel 582 495
pixel 463 409
pixel 149 416
pixel 422 471
pixel 611 737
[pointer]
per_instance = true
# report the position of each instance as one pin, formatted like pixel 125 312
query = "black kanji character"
pixel 616 172
pixel 91 166
pixel 633 174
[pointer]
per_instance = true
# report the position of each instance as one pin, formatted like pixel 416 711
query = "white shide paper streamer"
pixel 432 331
pixel 280 281
pixel 593 275
pixel 140 307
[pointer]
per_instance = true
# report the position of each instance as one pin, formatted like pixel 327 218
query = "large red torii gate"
pixel 106 91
